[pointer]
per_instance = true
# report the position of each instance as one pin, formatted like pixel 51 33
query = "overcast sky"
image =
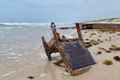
pixel 57 10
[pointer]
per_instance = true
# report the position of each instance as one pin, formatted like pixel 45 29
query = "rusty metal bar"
pixel 78 27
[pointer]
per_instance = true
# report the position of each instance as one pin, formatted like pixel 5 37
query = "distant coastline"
pixel 116 19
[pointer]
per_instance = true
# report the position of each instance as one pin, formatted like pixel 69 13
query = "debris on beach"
pixel 30 77
pixel 23 56
pixel 114 47
pixel 99 40
pixel 108 62
pixel 94 42
pixel 108 51
pixel 106 39
pixel 117 58
pixel 99 52
pixel 92 34
pixel 87 39
pixel 68 47
pixel 118 34
pixel 88 44
pixel 99 36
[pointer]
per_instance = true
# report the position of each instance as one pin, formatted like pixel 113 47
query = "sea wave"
pixel 24 23
pixel 34 24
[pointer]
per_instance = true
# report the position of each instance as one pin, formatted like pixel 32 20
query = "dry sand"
pixel 40 69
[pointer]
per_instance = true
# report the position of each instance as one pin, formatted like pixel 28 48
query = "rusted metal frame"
pixel 67 65
pixel 78 28
pixel 65 61
pixel 47 49
pixel 54 31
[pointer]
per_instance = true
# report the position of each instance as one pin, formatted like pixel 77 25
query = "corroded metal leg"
pixel 49 56
pixel 58 63
pixel 48 53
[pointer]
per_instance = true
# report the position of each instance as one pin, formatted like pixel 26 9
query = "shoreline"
pixel 34 62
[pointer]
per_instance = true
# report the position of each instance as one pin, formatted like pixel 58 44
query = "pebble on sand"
pixel 30 77
pixel 99 52
pixel 117 58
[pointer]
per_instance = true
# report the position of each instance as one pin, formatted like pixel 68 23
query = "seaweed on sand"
pixel 87 39
pixel 90 43
pixel 94 42
pixel 99 40
pixel 92 34
pixel 108 62
pixel 114 47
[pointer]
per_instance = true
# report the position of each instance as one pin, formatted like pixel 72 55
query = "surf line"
pixel 7 74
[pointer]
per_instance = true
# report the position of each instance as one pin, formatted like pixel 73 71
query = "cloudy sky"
pixel 57 10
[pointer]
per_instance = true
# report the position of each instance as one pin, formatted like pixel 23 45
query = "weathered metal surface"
pixel 77 55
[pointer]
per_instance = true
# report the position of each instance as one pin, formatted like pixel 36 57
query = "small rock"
pixel 106 39
pixel 93 33
pixel 108 51
pixel 94 42
pixel 30 77
pixel 99 52
pixel 86 39
pixel 98 39
pixel 117 58
pixel 88 44
pixel 101 41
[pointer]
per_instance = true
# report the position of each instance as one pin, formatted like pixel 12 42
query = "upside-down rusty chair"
pixel 73 53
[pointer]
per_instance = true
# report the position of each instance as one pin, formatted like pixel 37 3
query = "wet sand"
pixel 35 64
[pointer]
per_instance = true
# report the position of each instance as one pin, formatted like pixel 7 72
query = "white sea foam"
pixel 36 24
pixel 24 23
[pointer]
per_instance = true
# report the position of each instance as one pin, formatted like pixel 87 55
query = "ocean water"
pixel 23 39
pixel 20 45
pixel 20 39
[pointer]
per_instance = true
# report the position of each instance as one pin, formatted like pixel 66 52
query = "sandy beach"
pixel 22 56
